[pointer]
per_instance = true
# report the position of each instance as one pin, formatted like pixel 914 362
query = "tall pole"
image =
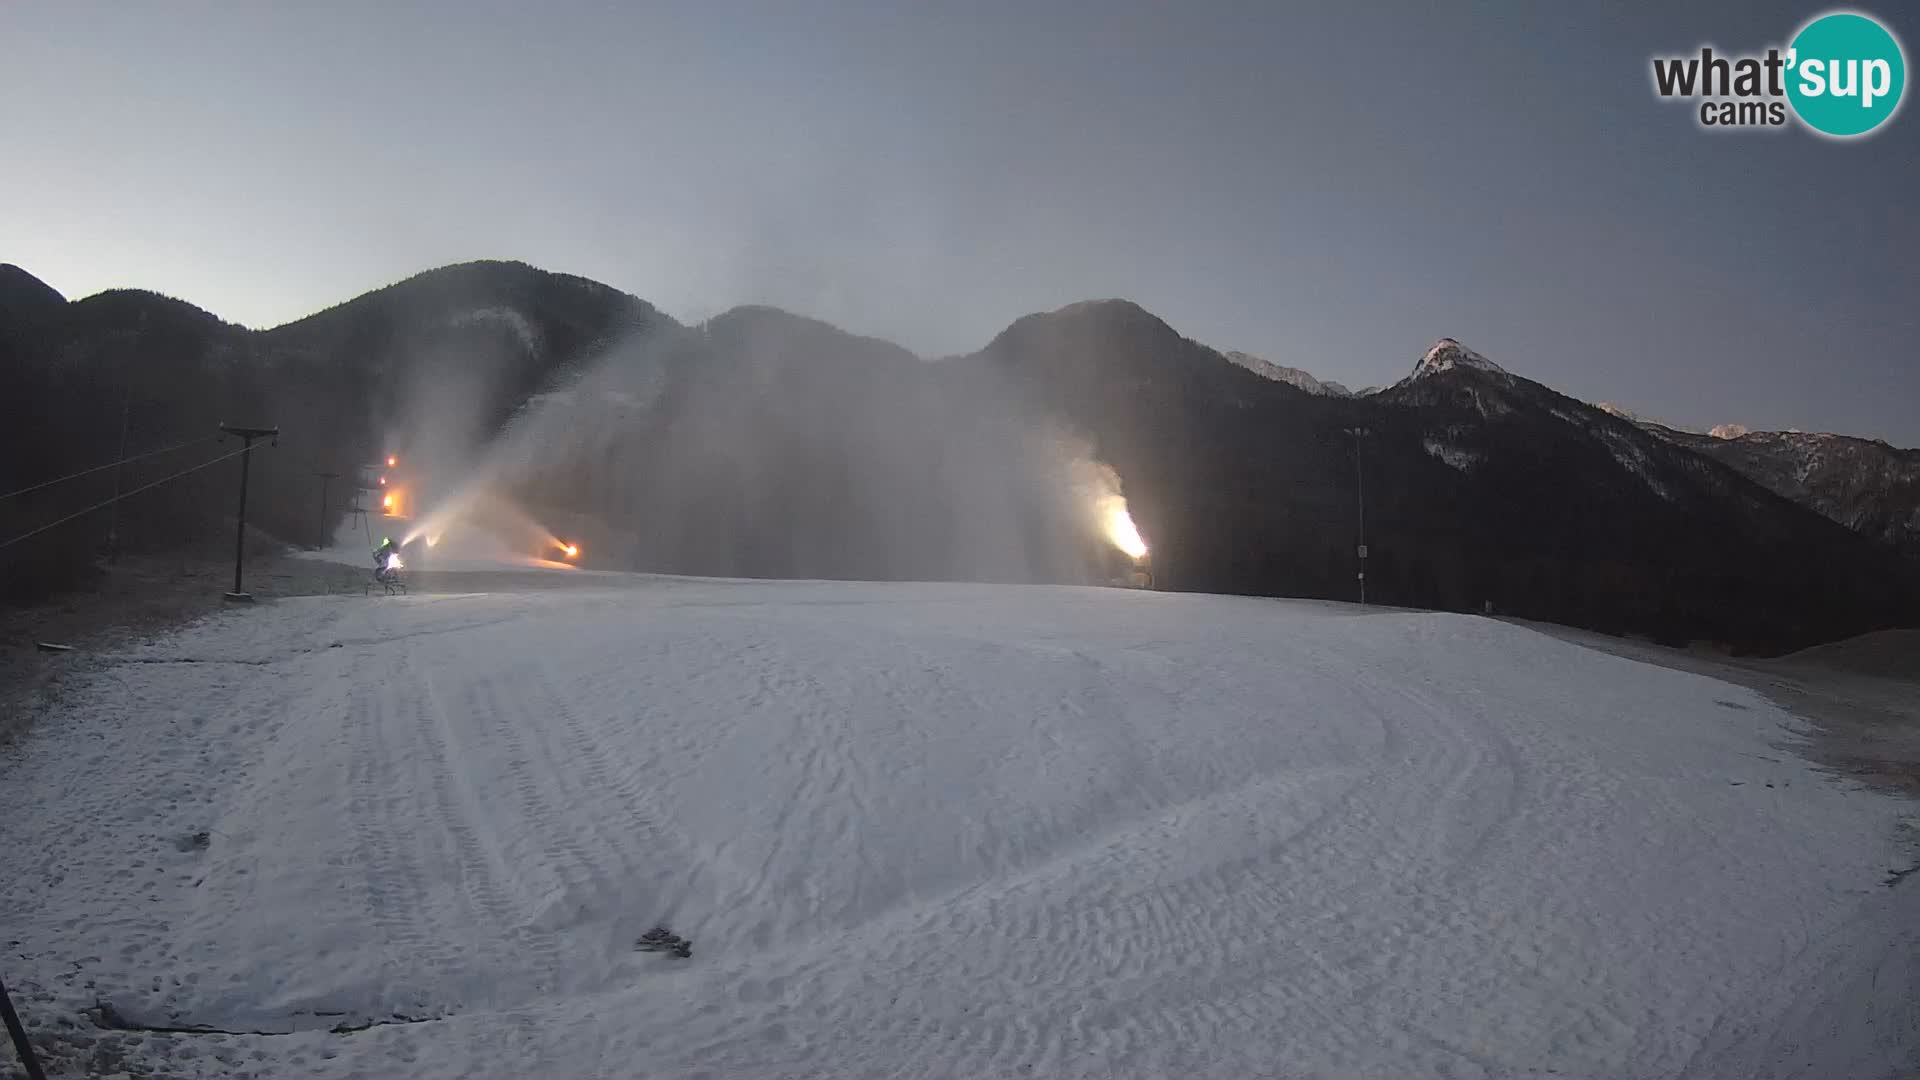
pixel 1360 486
pixel 119 469
pixel 19 1035
pixel 240 525
pixel 240 522
pixel 120 463
pixel 326 479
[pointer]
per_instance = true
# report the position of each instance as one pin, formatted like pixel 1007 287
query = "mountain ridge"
pixel 1483 487
pixel 1868 485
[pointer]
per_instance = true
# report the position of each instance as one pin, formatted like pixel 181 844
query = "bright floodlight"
pixel 1120 530
pixel 392 461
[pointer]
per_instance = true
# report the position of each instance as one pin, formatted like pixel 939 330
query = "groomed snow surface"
pixel 941 831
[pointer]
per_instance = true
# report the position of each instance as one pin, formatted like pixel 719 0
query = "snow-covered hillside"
pixel 939 830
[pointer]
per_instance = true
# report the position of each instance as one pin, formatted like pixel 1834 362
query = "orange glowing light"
pixel 571 549
pixel 392 461
pixel 387 502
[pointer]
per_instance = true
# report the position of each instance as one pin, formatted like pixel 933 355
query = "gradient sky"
pixel 1330 188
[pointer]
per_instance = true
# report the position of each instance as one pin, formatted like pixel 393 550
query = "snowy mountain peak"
pixel 1728 431
pixel 1291 375
pixel 1447 354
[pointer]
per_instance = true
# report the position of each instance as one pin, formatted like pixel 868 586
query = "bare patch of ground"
pixel 144 596
pixel 140 597
pixel 1861 695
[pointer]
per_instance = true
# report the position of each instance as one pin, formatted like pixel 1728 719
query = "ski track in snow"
pixel 920 830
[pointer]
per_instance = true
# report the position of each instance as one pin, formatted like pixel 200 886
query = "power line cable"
pixel 117 498
pixel 108 465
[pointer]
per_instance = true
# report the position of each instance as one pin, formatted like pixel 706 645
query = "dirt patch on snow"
pixel 145 596
pixel 139 598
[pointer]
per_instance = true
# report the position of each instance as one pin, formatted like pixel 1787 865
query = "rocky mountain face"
pixel 1290 375
pixel 1481 487
pixel 1865 484
pixel 1449 355
pixel 765 444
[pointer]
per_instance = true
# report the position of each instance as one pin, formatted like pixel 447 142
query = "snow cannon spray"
pixel 1119 527
pixel 1097 488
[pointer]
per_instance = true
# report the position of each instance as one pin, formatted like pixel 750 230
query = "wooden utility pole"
pixel 119 470
pixel 240 526
pixel 120 465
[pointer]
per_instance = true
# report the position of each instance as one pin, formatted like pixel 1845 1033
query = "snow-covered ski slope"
pixel 943 831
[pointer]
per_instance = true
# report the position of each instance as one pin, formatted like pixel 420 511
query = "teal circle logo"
pixel 1846 74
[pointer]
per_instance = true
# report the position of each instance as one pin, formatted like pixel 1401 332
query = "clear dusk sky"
pixel 1329 187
